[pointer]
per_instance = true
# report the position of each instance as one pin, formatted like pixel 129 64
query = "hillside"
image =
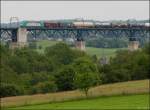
pixel 123 88
pixel 99 52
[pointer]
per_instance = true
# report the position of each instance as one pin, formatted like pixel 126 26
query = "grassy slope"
pixel 130 87
pixel 90 50
pixel 109 52
pixel 112 102
pixel 44 44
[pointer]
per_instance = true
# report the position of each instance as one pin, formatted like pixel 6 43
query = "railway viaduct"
pixel 19 35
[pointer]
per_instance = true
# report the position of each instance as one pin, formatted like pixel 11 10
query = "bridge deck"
pixel 100 28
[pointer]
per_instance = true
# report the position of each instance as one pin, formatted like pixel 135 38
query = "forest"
pixel 61 68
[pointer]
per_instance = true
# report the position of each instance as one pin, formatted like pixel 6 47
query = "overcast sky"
pixel 97 10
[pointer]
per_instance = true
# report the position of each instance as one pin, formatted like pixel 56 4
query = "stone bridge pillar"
pixel 80 44
pixel 22 35
pixel 133 45
pixel 133 42
pixel 21 38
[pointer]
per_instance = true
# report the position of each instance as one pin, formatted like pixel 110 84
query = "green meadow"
pixel 99 52
pixel 111 102
pixel 123 95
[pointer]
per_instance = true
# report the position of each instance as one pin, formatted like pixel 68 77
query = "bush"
pixel 64 78
pixel 40 47
pixel 9 90
pixel 44 87
pixel 38 77
pixel 126 66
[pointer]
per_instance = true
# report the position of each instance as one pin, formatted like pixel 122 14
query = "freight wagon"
pixel 147 24
pixel 102 25
pixel 50 24
pixel 83 24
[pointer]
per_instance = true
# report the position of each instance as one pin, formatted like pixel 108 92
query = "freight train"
pixel 79 24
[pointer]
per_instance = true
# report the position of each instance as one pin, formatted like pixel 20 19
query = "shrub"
pixel 64 78
pixel 9 90
pixel 44 87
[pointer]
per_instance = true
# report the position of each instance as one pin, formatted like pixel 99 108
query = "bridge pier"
pixel 80 44
pixel 20 38
pixel 133 42
pixel 133 45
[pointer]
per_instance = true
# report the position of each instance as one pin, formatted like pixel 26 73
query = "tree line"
pixel 113 42
pixel 60 68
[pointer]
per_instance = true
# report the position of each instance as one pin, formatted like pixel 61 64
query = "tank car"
pixel 105 24
pixel 119 25
pixel 79 24
pixel 147 24
pixel 97 24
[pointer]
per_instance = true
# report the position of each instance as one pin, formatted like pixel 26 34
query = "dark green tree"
pixel 84 81
pixel 86 74
pixel 64 78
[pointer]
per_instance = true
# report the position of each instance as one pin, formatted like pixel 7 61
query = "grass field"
pixel 111 102
pixel 123 88
pixel 108 52
pixel 44 44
